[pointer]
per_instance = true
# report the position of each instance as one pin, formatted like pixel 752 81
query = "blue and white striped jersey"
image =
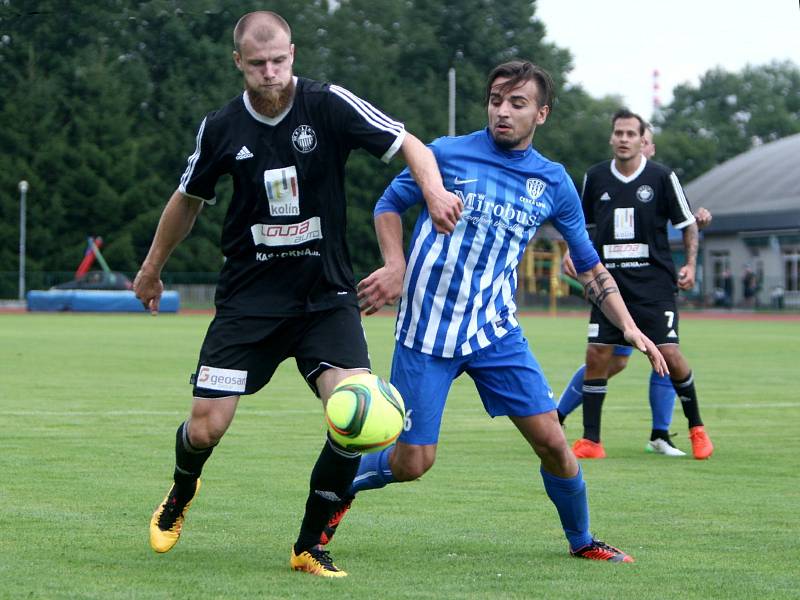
pixel 458 293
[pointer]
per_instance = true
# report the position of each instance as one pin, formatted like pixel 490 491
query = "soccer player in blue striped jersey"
pixel 457 311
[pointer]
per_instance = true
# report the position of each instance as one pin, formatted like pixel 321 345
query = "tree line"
pixel 102 99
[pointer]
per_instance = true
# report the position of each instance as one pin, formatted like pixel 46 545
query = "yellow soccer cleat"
pixel 315 561
pixel 167 521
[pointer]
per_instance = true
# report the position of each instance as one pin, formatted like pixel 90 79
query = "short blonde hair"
pixel 266 22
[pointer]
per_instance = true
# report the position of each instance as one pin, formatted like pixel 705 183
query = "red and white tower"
pixel 656 92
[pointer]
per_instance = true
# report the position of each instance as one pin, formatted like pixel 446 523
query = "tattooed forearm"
pixel 690 243
pixel 600 288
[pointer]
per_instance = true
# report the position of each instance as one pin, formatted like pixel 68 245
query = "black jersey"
pixel 629 216
pixel 283 237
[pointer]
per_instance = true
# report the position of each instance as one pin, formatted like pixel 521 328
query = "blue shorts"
pixel 508 378
pixel 623 350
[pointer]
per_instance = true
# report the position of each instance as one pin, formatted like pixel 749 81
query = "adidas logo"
pixel 244 153
pixel 672 334
pixel 605 197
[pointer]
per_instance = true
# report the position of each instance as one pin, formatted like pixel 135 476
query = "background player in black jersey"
pixel 286 288
pixel 661 394
pixel 627 202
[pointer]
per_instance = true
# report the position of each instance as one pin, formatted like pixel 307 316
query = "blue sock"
pixel 572 396
pixel 374 472
pixel 569 496
pixel 662 400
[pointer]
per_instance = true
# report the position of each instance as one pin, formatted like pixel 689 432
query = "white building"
pixel 755 202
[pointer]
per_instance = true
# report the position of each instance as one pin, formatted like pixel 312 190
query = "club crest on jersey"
pixel 282 191
pixel 535 187
pixel 644 193
pixel 304 139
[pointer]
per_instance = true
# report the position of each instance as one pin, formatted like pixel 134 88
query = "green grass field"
pixel 89 405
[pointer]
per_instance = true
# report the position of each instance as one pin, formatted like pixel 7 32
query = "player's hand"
pixel 568 266
pixel 703 218
pixel 686 277
pixel 445 209
pixel 381 287
pixel 643 343
pixel 148 288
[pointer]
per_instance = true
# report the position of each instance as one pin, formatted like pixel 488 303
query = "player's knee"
pixel 557 457
pixel 676 362
pixel 410 472
pixel 596 355
pixel 204 433
pixel 617 364
pixel 210 420
pixel 410 467
pixel 551 446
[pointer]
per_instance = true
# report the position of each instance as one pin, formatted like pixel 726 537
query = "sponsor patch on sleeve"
pixel 221 380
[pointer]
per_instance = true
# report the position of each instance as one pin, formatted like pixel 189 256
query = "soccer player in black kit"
pixel 286 288
pixel 627 202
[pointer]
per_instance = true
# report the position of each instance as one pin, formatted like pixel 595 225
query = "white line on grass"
pixel 133 413
pixel 268 413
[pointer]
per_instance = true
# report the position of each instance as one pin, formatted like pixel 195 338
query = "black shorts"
pixel 240 354
pixel 658 321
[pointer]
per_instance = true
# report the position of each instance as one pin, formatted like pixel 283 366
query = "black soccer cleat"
pixel 598 550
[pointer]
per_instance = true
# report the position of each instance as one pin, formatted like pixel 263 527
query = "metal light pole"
pixel 23 191
pixel 451 102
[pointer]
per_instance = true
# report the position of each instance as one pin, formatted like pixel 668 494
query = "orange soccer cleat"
pixel 584 448
pixel 702 447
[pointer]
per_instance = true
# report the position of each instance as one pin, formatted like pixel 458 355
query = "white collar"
pixel 633 176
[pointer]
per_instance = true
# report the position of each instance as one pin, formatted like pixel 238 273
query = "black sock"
pixel 660 434
pixel 189 463
pixel 594 392
pixel 331 477
pixel 688 396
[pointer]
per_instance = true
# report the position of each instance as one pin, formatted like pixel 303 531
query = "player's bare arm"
pixel 602 291
pixel 444 207
pixel 175 223
pixel 599 288
pixel 385 285
pixel 686 274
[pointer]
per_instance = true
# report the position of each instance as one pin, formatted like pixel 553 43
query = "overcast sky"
pixel 616 44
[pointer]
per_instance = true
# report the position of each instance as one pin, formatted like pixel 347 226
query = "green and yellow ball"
pixel 365 413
